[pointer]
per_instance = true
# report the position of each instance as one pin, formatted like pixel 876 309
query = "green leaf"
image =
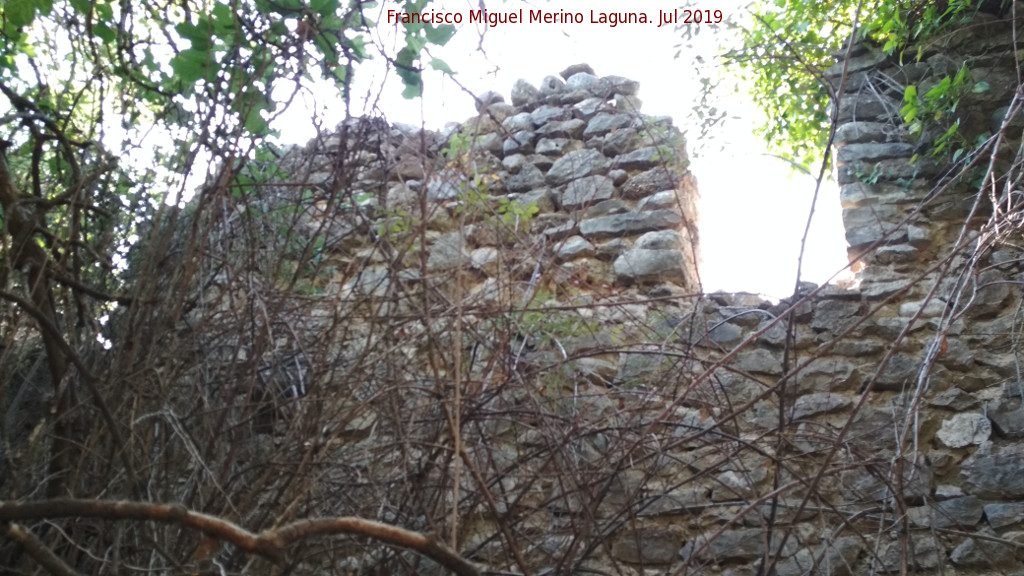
pixel 981 87
pixel 442 66
pixel 439 35
pixel 20 13
pixel 190 65
pixel 324 7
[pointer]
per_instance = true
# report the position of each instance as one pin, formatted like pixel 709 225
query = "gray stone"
pixel 589 108
pixel 560 231
pixel 873 151
pixel 867 61
pixel 574 247
pixel 866 107
pixel 649 182
pixel 513 163
pixel 484 101
pixel 519 143
pixel 900 254
pixel 837 558
pixel 523 93
pixel 529 178
pixel 611 249
pixel 615 142
pixel 607 207
pixel 587 191
pixel 485 259
pixel 962 430
pixel 955 399
pixel 648 546
pixel 861 132
pixel 834 315
pixel 647 266
pixel 868 224
pixel 994 472
pixel 659 240
pixel 518 123
pixel 735 545
pixel 580 81
pixel 632 223
pixel 859 484
pixel 623 86
pixel 757 360
pixel 933 308
pixel 676 502
pixel 557 146
pixel 563 129
pixel 576 69
pixel 577 164
pixel 925 554
pixel 901 371
pixel 542 198
pixel 889 171
pixel 1009 423
pixel 643 159
pixel 659 200
pixel 545 114
pixel 605 122
pixel 444 186
pixel 979 553
pixel 963 512
pixel 449 251
pixel 551 85
pixel 725 334
pixel 1002 514
pixel 628 104
pixel 819 403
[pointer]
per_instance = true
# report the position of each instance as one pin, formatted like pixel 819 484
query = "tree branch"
pixel 270 544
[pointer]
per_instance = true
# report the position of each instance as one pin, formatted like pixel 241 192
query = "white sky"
pixel 752 213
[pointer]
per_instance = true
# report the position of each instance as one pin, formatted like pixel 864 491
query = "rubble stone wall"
pixel 840 431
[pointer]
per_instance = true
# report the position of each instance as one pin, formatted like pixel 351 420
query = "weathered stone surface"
pixel 484 101
pixel 444 186
pixel 605 122
pixel 623 86
pixel 574 247
pixel 551 85
pixel 979 553
pixel 646 266
pixel 648 546
pixel 659 240
pixel 867 107
pixel 868 60
pixel 838 558
pixel 632 223
pixel 607 207
pixel 926 554
pixel 580 81
pixel 577 164
pixel 649 182
pixel 587 191
pixel 523 93
pixel 734 545
pixel 528 178
pixel 590 107
pixel 834 315
pixel 962 430
pixel 874 151
pixel 994 472
pixel 576 69
pixel 449 251
pixel 1008 423
pixel 860 132
pixel 642 159
pixel 820 403
pixel 954 398
pixel 861 483
pixel 572 129
pixel 961 512
pixel 1003 514
pixel 542 198
pixel 518 123
pixel 519 143
pixel 557 146
pixel 545 114
pixel 758 360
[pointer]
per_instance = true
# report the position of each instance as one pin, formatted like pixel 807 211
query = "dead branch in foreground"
pixel 271 544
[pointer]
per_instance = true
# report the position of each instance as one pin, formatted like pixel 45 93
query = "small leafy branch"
pixel 936 106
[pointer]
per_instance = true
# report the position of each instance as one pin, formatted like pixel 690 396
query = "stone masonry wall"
pixel 628 423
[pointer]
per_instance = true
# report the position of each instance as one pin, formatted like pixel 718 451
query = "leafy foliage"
pixel 789 45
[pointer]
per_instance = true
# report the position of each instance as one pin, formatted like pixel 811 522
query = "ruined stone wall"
pixel 617 419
